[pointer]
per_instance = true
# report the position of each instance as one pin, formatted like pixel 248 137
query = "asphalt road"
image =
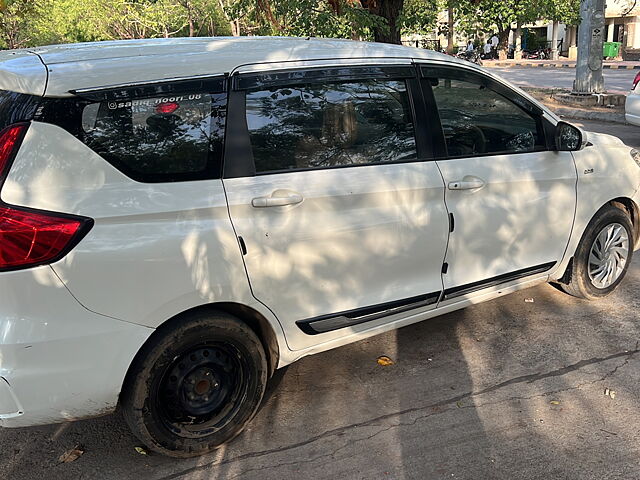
pixel 629 134
pixel 506 389
pixel 616 81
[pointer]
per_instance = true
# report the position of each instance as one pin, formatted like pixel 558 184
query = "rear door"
pixel 334 198
pixel 512 197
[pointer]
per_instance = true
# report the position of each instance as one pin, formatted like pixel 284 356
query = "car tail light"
pixel 10 139
pixel 31 237
pixel 636 81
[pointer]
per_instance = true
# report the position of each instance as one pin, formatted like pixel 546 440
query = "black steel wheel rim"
pixel 202 389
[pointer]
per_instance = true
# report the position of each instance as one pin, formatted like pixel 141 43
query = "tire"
pixel 583 279
pixel 195 385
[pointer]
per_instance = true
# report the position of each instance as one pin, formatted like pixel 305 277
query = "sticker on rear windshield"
pixel 152 102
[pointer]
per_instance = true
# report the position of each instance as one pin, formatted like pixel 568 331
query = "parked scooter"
pixel 539 54
pixel 472 56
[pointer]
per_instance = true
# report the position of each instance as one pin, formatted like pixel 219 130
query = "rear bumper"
pixel 632 119
pixel 58 360
pixel 632 109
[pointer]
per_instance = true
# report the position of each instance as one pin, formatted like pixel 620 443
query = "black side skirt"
pixel 349 318
pixel 492 282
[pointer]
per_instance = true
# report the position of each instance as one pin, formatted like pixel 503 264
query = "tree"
pixel 15 15
pixel 418 17
pixel 304 18
pixel 389 10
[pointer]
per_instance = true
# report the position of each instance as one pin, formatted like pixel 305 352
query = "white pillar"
pixel 554 41
pixel 517 54
pixel 611 22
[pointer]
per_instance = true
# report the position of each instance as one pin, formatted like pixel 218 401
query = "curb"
pixel 586 115
pixel 560 65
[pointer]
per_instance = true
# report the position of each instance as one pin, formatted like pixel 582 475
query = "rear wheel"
pixel 603 255
pixel 196 385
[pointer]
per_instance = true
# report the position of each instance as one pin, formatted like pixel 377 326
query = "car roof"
pixel 63 68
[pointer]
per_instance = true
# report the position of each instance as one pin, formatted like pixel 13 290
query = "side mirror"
pixel 569 138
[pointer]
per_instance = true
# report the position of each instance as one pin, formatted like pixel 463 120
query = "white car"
pixel 181 217
pixel 632 104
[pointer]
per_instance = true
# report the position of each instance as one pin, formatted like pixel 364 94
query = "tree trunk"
pixel 450 32
pixel 503 46
pixel 390 11
pixel 192 27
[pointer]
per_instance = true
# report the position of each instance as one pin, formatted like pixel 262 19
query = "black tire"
pixel 195 385
pixel 578 283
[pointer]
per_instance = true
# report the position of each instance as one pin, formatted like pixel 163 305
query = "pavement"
pixel 509 389
pixel 562 63
pixel 616 81
pixel 629 134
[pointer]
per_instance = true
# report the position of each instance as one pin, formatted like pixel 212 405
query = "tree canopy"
pixel 35 22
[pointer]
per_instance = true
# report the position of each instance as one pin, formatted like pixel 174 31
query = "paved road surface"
pixel 502 390
pixel 629 134
pixel 616 81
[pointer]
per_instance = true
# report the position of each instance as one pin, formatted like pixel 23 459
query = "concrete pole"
pixel 589 77
pixel 517 54
pixel 554 41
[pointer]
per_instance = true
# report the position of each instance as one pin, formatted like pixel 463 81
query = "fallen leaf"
pixel 554 402
pixel 385 361
pixel 71 455
pixel 612 394
pixel 606 391
pixel 459 404
pixel 140 450
pixel 528 300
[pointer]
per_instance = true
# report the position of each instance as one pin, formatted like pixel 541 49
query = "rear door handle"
pixel 466 184
pixel 276 200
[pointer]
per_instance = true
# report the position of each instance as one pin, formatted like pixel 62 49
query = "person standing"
pixel 487 49
pixel 495 41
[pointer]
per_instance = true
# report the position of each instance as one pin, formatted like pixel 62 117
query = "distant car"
pixel 632 105
pixel 180 217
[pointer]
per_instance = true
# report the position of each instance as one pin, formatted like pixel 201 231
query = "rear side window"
pixel 163 138
pixel 321 125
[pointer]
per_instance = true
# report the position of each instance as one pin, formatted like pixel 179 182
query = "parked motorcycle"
pixel 474 56
pixel 538 54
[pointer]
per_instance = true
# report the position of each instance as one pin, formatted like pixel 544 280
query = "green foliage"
pixel 36 22
pixel 304 18
pixel 419 17
pixel 15 16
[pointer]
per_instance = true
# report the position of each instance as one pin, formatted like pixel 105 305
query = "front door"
pixel 512 197
pixel 341 215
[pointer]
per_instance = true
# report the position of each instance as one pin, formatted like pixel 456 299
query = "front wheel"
pixel 195 385
pixel 603 255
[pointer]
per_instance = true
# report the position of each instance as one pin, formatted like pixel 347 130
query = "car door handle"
pixel 276 200
pixel 466 184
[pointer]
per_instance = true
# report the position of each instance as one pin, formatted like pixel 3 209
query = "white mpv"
pixel 179 218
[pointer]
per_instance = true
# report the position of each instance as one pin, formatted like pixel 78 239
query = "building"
pixel 622 24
